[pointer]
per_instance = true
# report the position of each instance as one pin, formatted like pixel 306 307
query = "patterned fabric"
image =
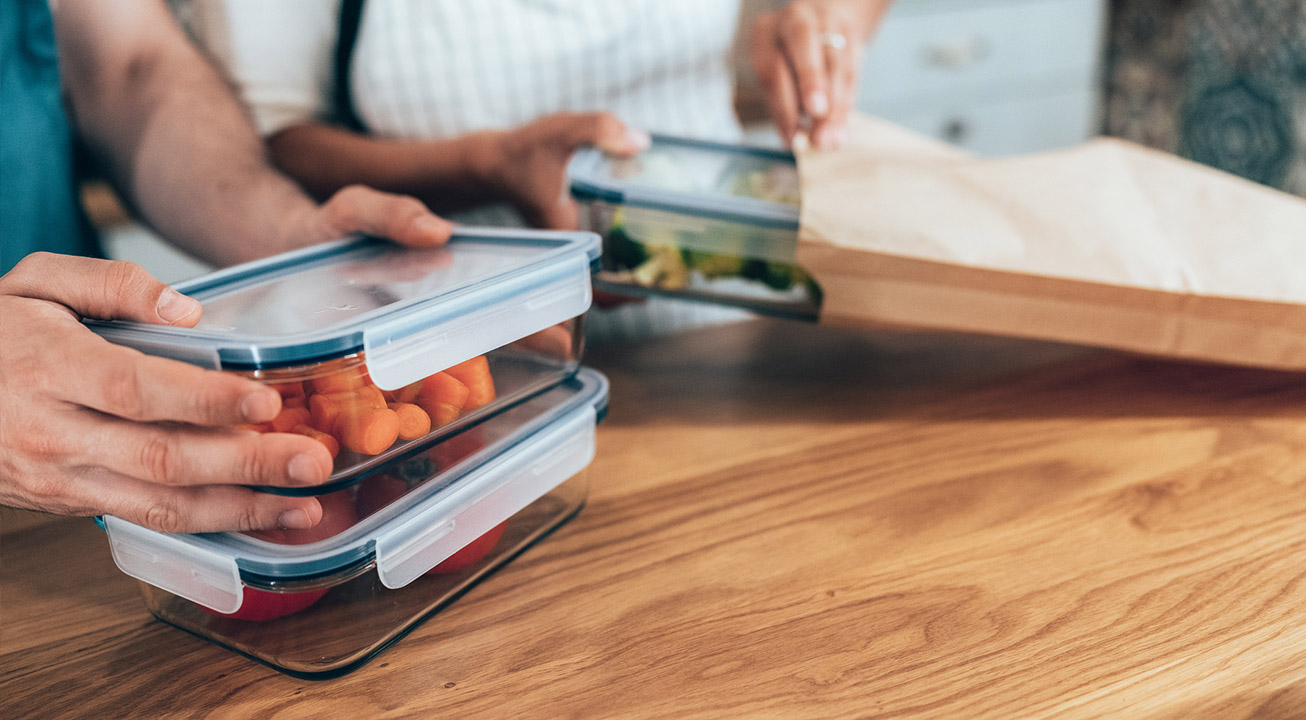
pixel 1222 82
pixel 426 69
pixel 430 69
pixel 438 68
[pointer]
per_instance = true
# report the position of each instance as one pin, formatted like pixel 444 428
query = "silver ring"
pixel 834 40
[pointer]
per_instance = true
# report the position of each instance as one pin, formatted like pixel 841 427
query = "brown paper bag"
pixel 1107 244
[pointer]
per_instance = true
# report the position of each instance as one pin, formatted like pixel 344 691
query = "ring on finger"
pixel 834 40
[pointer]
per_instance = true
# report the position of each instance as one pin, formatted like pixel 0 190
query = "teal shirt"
pixel 39 207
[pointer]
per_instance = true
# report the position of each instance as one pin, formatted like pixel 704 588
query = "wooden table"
pixel 791 521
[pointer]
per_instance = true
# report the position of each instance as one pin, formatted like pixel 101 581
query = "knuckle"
pixel 216 401
pixel 580 127
pixel 353 192
pixel 545 129
pixel 806 71
pixel 565 119
pixel 342 210
pixel 406 207
pixel 164 515
pixel 357 195
pixel 33 265
pixel 123 279
pixel 798 23
pixel 45 488
pixel 27 371
pixel 51 490
pixel 39 445
pixel 249 519
pixel 605 123
pixel 158 457
pixel 252 465
pixel 122 392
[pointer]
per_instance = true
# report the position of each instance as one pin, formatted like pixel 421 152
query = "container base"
pixel 360 618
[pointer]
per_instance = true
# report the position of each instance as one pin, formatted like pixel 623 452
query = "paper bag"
pixel 1108 244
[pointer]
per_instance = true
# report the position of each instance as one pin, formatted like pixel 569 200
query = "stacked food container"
pixel 698 220
pixel 446 382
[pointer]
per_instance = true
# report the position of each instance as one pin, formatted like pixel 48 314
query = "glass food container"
pixel 698 220
pixel 389 552
pixel 379 350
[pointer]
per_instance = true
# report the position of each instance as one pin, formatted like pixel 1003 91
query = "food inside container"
pixel 698 220
pixel 389 551
pixel 379 350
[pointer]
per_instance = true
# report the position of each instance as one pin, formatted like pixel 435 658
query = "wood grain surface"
pixel 798 522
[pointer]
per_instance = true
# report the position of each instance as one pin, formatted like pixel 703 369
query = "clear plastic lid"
pixel 412 311
pixel 758 186
pixel 465 487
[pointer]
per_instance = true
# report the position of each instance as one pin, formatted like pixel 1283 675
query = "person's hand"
pixel 528 165
pixel 357 208
pixel 806 56
pixel 88 427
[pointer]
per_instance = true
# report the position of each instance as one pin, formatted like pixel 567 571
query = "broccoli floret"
pixel 813 290
pixel 753 269
pixel 625 252
pixel 778 276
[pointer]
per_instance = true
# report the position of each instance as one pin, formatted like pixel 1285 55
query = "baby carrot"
pixel 258 427
pixel 405 394
pixel 368 431
pixel 288 389
pixel 294 401
pixel 342 381
pixel 475 374
pixel 332 445
pixel 323 412
pixel 442 397
pixel 413 421
pixel 289 418
pixel 372 395
pixel 367 396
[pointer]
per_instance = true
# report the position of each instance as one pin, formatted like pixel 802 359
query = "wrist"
pixel 452 174
pixel 293 211
pixel 485 158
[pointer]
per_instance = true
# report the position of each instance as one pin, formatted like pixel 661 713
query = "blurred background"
pixel 1222 82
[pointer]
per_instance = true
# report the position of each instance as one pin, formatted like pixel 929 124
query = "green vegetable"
pixel 661 263
pixel 626 253
pixel 664 269
pixel 753 270
pixel 713 265
pixel 778 276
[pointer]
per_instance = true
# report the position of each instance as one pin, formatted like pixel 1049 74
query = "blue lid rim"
pixel 244 353
pixel 587 185
pixel 592 390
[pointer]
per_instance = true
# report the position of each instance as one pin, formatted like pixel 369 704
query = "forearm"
pixel 198 157
pixel 177 143
pixel 447 175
